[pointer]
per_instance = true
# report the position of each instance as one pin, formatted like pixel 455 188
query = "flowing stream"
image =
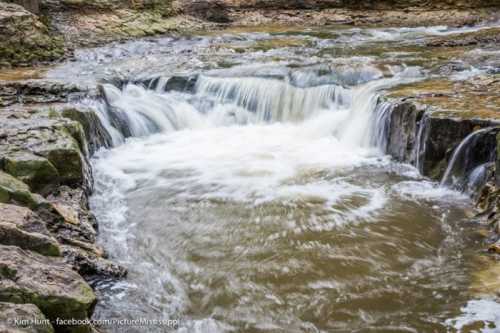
pixel 261 199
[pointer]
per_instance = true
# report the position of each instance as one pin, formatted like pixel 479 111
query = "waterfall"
pixel 352 115
pixel 420 145
pixel 381 124
pixel 468 165
pixel 271 99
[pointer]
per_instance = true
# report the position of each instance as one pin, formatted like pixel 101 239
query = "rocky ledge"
pixel 441 125
pixel 41 31
pixel 48 255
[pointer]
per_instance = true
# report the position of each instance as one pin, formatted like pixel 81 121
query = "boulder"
pixel 89 264
pixel 43 149
pixel 49 283
pixel 21 227
pixel 14 190
pixel 25 39
pixel 182 83
pixel 34 170
pixel 96 135
pixel 26 318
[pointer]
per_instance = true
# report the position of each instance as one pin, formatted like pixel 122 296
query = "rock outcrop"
pixel 28 318
pixel 429 119
pixel 47 232
pixel 25 39
pixel 58 291
pixel 20 226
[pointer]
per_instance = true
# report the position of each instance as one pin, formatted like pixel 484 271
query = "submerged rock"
pixel 59 292
pixel 29 319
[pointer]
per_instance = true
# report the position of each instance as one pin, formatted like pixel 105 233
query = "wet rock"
pixel 29 319
pixel 181 83
pixel 25 39
pixel 482 37
pixel 118 119
pixel 442 136
pixel 69 218
pixel 403 131
pixel 19 226
pixel 96 135
pixel 59 292
pixel 37 91
pixel 91 265
pixel 430 119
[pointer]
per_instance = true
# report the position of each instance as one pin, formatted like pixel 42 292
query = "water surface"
pixel 263 201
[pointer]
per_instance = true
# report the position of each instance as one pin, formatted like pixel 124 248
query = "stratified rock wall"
pixel 47 232
pixel 349 4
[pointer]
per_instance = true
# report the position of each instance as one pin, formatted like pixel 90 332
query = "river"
pixel 259 198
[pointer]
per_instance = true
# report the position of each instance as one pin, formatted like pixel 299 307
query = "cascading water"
pixel 467 169
pixel 259 199
pixel 222 101
pixel 381 124
pixel 420 145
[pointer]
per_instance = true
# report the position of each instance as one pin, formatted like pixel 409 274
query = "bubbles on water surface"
pixel 258 200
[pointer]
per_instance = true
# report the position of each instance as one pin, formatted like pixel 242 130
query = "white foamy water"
pixel 261 199
pixel 483 314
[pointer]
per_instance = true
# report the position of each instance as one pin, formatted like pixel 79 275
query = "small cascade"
pixel 468 167
pixel 273 100
pixel 353 116
pixel 136 111
pixel 381 124
pixel 421 141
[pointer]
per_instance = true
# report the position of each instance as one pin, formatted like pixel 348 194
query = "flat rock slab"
pixel 21 227
pixel 49 283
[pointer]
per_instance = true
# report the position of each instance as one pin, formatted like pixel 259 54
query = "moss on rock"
pixel 36 171
pixel 12 189
pixel 48 283
pixel 25 39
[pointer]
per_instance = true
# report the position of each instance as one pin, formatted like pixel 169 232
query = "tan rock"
pixel 19 226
